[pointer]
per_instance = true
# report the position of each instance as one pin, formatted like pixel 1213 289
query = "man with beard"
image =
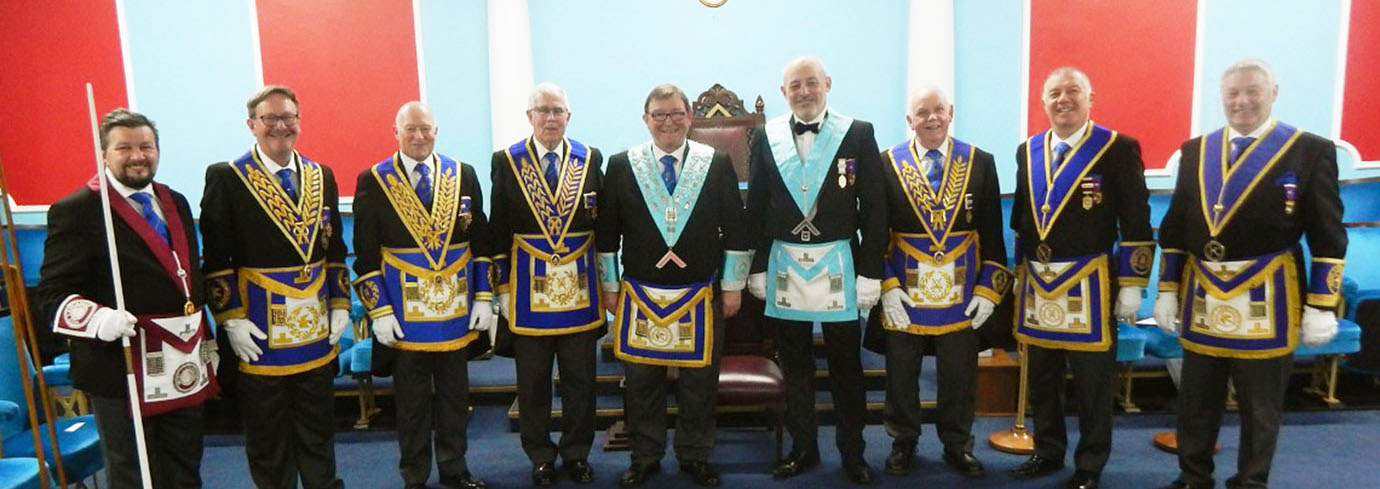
pixel 174 356
pixel 418 216
pixel 275 262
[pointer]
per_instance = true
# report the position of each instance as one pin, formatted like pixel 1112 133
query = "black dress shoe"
pixel 900 461
pixel 580 471
pixel 637 474
pixel 857 470
pixel 1082 480
pixel 1184 485
pixel 794 464
pixel 964 463
pixel 465 481
pixel 1036 466
pixel 701 472
pixel 544 474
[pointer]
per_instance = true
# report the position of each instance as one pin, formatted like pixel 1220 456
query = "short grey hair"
pixel 1078 75
pixel 924 91
pixel 547 88
pixel 1252 64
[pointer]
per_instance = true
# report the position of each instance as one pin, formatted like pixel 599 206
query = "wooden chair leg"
pixel 1324 379
pixel 1127 404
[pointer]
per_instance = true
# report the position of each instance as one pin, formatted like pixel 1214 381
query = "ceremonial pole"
pixel 1016 440
pixel 135 412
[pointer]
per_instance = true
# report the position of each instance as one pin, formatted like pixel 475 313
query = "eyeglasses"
pixel 551 111
pixel 273 120
pixel 677 116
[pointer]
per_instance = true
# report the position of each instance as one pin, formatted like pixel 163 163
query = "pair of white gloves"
pixel 388 331
pixel 1317 326
pixel 868 289
pixel 242 333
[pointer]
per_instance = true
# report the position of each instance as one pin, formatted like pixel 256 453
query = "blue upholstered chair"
pixel 17 472
pixel 77 440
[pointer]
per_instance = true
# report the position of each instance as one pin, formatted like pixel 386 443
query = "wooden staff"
pixel 1016 440
pixel 135 412
pixel 23 333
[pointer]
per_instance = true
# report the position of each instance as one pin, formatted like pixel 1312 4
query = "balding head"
pixel 415 129
pixel 806 85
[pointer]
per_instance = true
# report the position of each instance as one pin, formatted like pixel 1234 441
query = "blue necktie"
pixel 150 215
pixel 1060 151
pixel 668 173
pixel 424 185
pixel 285 179
pixel 1238 146
pixel 936 172
pixel 553 171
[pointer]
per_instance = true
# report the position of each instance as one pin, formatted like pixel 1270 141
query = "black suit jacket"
pixel 843 212
pixel 76 261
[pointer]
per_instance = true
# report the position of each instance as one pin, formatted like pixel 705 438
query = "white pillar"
pixel 510 69
pixel 930 46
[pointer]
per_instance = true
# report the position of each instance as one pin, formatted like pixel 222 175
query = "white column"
pixel 930 46
pixel 510 70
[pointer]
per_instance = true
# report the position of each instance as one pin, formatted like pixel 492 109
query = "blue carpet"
pixel 1316 449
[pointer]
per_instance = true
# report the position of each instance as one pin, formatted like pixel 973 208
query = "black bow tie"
pixel 801 128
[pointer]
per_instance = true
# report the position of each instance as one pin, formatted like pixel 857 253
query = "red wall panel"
pixel 1360 103
pixel 1138 54
pixel 51 50
pixel 352 65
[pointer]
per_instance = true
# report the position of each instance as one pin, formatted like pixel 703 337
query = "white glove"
pixel 1319 326
pixel 1166 311
pixel 111 325
pixel 980 308
pixel 894 304
pixel 387 330
pixel 757 285
pixel 482 316
pixel 242 333
pixel 868 291
pixel 340 321
pixel 503 305
pixel 1128 304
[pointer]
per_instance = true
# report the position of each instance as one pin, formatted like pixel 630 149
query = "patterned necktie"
pixel 285 180
pixel 1060 151
pixel 424 185
pixel 668 173
pixel 1238 146
pixel 936 171
pixel 553 171
pixel 150 215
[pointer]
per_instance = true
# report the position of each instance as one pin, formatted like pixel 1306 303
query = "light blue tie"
pixel 285 179
pixel 1060 151
pixel 668 173
pixel 936 173
pixel 424 184
pixel 553 171
pixel 1238 146
pixel 150 215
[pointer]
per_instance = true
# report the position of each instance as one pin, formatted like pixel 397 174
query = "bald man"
pixel 815 184
pixel 945 272
pixel 424 277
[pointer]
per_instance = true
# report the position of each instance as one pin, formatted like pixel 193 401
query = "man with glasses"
pixel 275 265
pixel 816 184
pixel 672 205
pixel 545 198
pixel 424 278
pixel 1080 196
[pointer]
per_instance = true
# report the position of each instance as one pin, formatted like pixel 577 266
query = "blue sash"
pixel 671 326
pixel 431 305
pixel 289 305
pixel 1222 189
pixel 940 278
pixel 936 211
pixel 809 173
pixel 554 212
pixel 1051 188
pixel 554 292
pixel 430 229
pixel 1066 304
pixel 664 207
pixel 300 221
pixel 1243 308
pixel 811 282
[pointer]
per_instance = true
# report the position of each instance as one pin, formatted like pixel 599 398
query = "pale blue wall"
pixel 455 49
pixel 987 80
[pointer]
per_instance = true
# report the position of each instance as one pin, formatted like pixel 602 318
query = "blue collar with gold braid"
pixel 936 211
pixel 1224 189
pixel 300 221
pixel 431 228
pixel 554 212
pixel 1051 188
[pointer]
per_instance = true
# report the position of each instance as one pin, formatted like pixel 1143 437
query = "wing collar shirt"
pixel 803 142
